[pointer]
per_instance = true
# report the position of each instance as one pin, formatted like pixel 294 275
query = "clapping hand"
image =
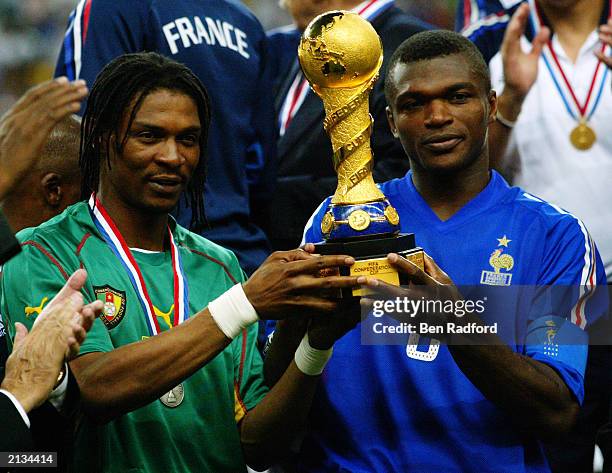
pixel 521 68
pixel 605 36
pixel 56 336
pixel 24 129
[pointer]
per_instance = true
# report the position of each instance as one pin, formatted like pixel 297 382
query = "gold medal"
pixel 174 397
pixel 583 136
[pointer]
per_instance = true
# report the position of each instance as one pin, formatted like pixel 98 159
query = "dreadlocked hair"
pixel 120 88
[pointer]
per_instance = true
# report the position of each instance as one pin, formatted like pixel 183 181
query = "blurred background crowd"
pixel 31 32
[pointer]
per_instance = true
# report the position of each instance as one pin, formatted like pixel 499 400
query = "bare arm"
pixel 24 129
pixel 110 386
pixel 605 36
pixel 267 431
pixel 520 73
pixel 287 336
pixel 532 393
pixel 286 407
pixel 509 107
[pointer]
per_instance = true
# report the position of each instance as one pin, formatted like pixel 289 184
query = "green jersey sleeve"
pixel 248 369
pixel 29 283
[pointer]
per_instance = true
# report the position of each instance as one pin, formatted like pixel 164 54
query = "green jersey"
pixel 200 433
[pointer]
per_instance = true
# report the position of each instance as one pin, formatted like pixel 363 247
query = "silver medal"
pixel 174 397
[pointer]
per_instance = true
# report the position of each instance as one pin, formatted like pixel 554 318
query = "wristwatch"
pixel 60 377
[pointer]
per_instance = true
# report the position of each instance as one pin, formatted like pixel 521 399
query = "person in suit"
pixel 35 371
pixel 305 171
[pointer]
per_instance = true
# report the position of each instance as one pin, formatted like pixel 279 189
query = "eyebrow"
pixel 149 126
pixel 445 91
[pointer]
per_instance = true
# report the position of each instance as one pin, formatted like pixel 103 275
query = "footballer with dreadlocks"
pixel 170 378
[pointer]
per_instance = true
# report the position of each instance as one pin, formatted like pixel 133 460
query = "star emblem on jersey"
pixel 499 261
pixel 114 305
pixel 503 241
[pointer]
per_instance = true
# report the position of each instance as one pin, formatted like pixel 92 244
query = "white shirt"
pixel 56 398
pixel 540 151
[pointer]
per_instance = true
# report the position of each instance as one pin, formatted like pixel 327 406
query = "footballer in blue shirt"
pixel 482 406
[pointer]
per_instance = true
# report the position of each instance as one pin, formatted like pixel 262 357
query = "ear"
pixel 391 122
pixel 492 106
pixel 52 189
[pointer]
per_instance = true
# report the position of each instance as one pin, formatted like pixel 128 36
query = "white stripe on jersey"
pixel 77 38
pixel 474 13
pixel 588 269
pixel 490 20
pixel 372 9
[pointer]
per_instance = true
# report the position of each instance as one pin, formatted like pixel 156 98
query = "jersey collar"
pixel 495 191
pixel 83 216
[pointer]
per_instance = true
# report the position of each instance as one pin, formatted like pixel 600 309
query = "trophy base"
pixel 371 258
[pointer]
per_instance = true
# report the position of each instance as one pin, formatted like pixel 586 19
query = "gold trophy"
pixel 341 54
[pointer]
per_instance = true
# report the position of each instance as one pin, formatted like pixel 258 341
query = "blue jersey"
pixel 410 408
pixel 225 46
pixel 484 23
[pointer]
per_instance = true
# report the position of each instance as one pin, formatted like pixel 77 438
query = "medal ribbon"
pixel 298 91
pixel 550 57
pixel 113 238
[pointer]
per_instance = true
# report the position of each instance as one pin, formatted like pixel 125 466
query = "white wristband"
pixel 309 360
pixel 232 311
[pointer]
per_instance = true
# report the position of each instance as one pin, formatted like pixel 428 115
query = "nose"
pixel 437 114
pixel 170 154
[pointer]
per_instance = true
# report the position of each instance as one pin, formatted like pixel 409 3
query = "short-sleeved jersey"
pixel 225 46
pixel 576 180
pixel 410 408
pixel 201 433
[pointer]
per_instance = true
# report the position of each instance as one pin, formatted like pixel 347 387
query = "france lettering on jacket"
pixel 196 31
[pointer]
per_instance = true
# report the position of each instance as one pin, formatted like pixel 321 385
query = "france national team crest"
pixel 499 261
pixel 550 347
pixel 114 305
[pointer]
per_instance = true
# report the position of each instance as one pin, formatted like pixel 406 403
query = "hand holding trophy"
pixel 340 54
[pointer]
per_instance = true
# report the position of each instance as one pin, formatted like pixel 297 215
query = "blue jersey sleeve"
pixel 571 296
pixel 484 22
pixel 572 262
pixel 99 31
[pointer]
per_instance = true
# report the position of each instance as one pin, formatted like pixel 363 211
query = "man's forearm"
pixel 268 431
pixel 134 375
pixel 532 393
pixel 509 106
pixel 287 336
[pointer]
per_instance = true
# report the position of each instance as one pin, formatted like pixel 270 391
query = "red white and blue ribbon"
pixel 298 91
pixel 579 112
pixel 113 238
